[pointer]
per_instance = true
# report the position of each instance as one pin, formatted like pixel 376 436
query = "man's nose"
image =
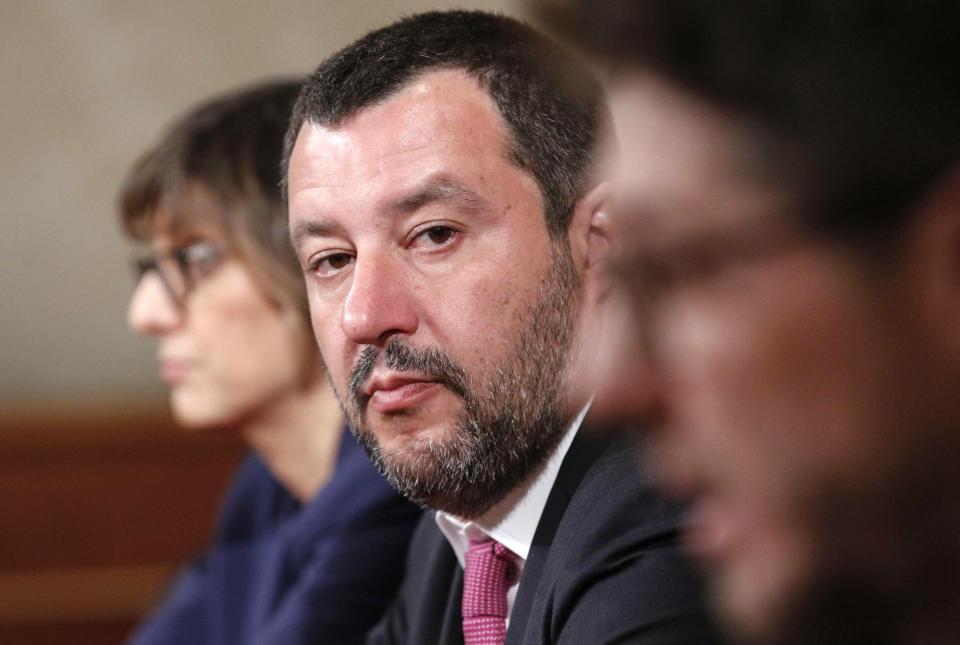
pixel 152 311
pixel 381 301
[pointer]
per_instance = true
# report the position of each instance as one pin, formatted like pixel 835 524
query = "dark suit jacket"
pixel 603 567
pixel 283 573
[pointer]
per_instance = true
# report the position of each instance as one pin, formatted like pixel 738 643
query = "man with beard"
pixel 451 236
pixel 790 197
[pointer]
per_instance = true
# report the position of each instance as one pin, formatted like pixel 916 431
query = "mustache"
pixel 431 362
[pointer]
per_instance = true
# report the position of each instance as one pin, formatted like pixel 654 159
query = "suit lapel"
pixel 583 452
pixel 451 632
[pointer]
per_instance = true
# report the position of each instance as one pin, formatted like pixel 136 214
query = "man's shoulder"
pixel 602 503
pixel 614 496
pixel 605 561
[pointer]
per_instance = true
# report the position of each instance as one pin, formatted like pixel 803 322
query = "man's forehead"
pixel 679 165
pixel 440 122
pixel 667 138
pixel 431 106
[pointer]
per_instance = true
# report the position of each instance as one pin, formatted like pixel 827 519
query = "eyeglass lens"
pixel 181 268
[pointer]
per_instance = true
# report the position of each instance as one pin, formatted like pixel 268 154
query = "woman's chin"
pixel 196 415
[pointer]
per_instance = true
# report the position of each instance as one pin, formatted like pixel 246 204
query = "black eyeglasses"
pixel 649 276
pixel 180 268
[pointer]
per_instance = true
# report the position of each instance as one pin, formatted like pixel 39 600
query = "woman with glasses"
pixel 311 540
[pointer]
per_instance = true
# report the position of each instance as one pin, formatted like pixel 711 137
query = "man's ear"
pixel 933 263
pixel 591 233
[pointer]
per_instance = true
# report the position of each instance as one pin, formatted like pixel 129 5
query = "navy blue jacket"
pixel 283 573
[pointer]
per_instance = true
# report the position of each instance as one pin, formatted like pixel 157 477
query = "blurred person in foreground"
pixel 444 211
pixel 789 203
pixel 310 542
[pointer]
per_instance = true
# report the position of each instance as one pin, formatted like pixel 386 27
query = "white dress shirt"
pixel 513 520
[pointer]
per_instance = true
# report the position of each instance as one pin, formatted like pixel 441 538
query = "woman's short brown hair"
pixel 228 148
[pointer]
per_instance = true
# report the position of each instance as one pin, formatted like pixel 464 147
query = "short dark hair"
pixel 859 100
pixel 552 105
pixel 229 146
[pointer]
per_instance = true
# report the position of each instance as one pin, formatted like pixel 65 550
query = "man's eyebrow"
pixel 437 190
pixel 303 230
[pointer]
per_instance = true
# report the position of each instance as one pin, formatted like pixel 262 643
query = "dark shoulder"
pixel 357 495
pixel 356 509
pixel 614 500
pixel 614 571
pixel 254 502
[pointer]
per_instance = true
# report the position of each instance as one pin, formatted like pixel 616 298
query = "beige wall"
pixel 84 86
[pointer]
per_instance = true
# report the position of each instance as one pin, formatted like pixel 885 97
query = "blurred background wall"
pixel 85 87
pixel 100 494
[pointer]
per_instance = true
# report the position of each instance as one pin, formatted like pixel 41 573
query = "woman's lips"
pixel 394 397
pixel 172 372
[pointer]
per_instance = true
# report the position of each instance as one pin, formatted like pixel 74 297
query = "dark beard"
pixel 509 423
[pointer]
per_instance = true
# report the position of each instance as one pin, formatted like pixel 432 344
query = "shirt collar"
pixel 513 520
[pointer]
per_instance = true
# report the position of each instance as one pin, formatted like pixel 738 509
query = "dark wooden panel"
pixel 89 508
pixel 99 504
pixel 99 632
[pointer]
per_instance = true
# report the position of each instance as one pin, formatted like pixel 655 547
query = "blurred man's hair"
pixel 856 101
pixel 229 147
pixel 551 104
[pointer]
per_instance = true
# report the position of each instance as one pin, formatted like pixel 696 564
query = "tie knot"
pixel 489 564
pixel 489 548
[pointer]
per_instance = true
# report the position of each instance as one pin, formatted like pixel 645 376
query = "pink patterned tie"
pixel 488 573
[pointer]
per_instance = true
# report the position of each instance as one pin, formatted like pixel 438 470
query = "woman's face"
pixel 227 350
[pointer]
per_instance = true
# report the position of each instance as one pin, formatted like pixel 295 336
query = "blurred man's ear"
pixel 933 263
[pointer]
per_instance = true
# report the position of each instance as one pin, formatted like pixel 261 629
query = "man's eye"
pixel 438 235
pixel 338 260
pixel 330 264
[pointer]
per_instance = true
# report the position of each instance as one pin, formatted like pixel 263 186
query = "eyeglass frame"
pixel 180 268
pixel 648 277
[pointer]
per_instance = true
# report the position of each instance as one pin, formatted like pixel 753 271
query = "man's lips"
pixel 394 392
